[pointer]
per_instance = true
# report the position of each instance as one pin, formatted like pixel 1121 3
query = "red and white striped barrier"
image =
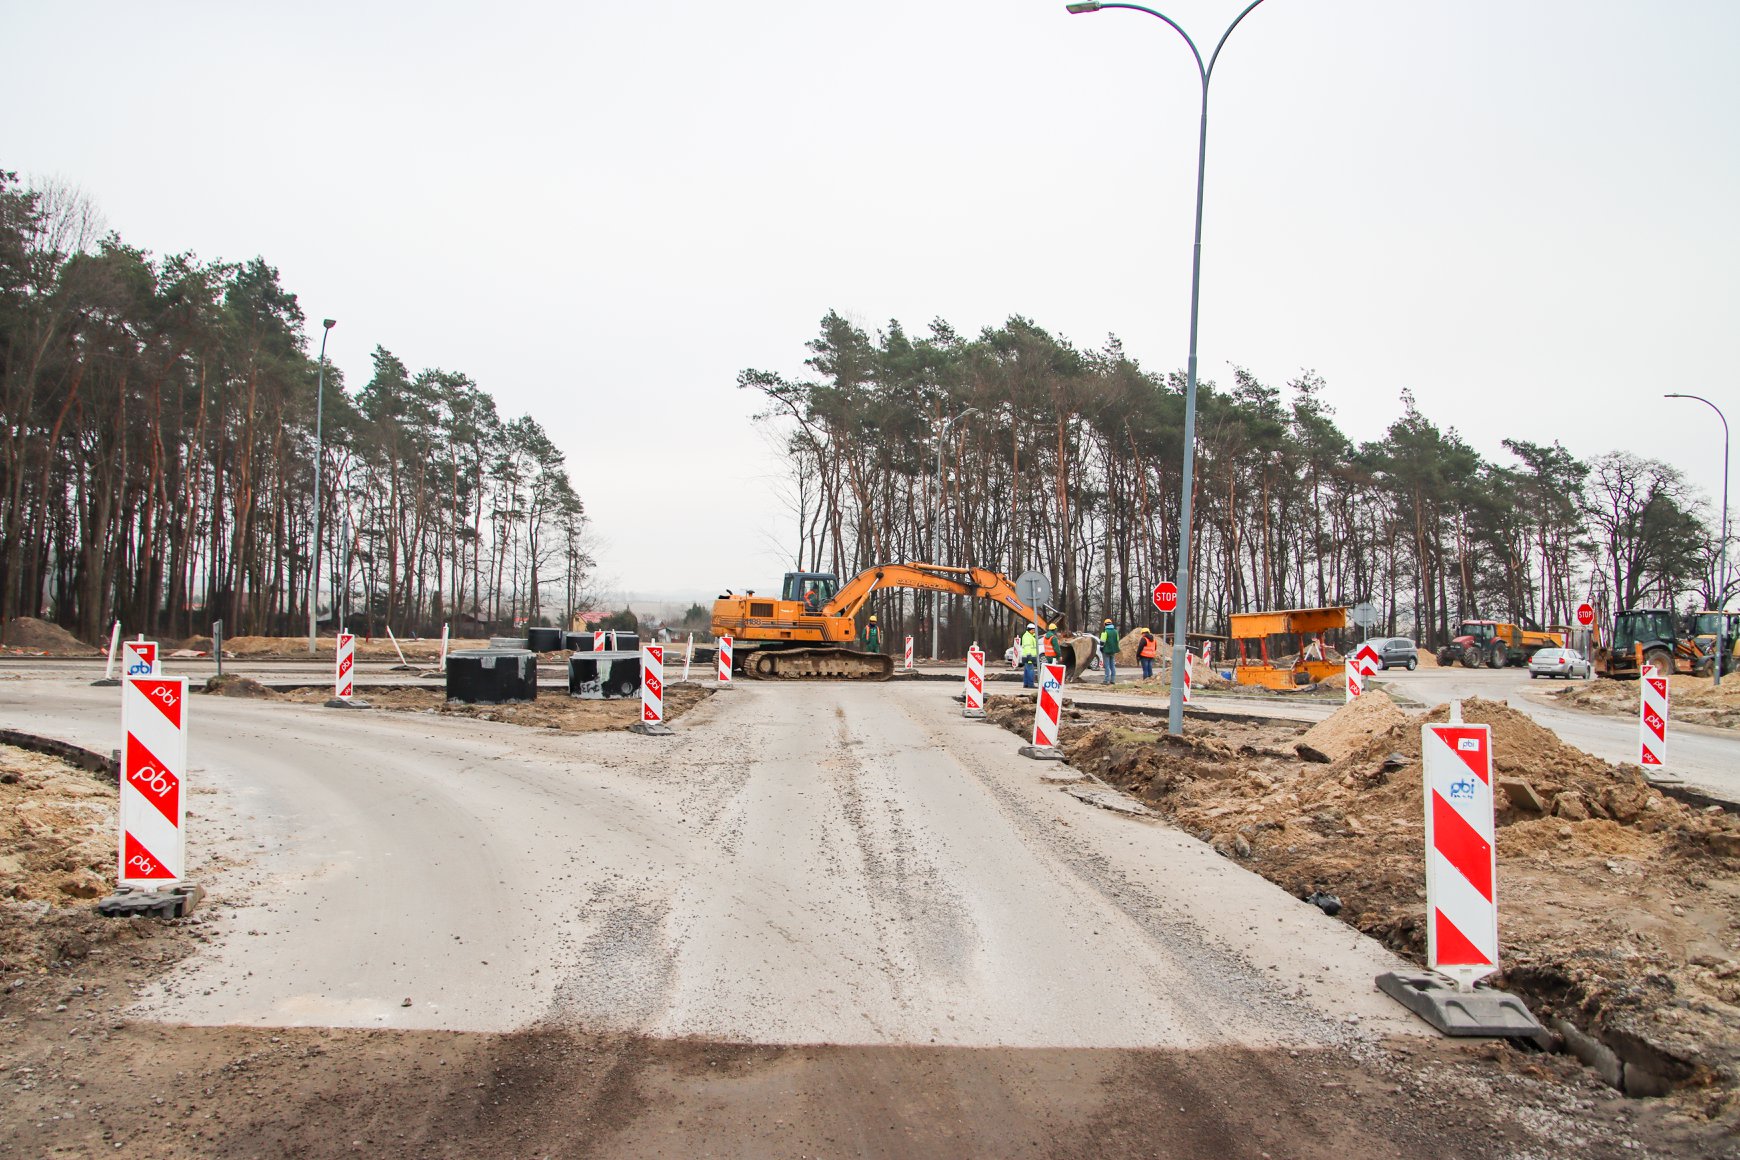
pixel 1048 706
pixel 1186 698
pixel 652 684
pixel 688 655
pixel 1355 681
pixel 1652 718
pixel 598 640
pixel 908 665
pixel 1461 863
pixel 139 658
pixel 724 660
pixel 973 704
pixel 153 851
pixel 1208 652
pixel 344 662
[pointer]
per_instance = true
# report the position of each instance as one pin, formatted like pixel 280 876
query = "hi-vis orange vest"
pixel 1050 651
pixel 1148 647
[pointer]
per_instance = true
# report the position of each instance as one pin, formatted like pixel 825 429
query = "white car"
pixel 1560 662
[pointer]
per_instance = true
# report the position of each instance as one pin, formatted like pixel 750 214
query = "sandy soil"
pixel 425 651
pixel 1694 700
pixel 550 711
pixel 81 1078
pixel 1620 907
pixel 28 636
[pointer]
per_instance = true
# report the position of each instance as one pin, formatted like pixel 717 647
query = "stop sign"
pixel 1585 615
pixel 1166 596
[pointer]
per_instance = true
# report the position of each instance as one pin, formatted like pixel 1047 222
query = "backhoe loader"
pixel 810 631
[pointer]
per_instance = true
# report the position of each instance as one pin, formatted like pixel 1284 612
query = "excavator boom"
pixel 980 582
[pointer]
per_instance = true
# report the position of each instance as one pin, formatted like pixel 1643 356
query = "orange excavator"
pixel 810 631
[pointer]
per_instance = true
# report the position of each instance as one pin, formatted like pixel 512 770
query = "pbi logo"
pixel 139 669
pixel 1050 683
pixel 1468 745
pixel 1462 789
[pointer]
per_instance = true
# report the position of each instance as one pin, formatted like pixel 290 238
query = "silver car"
pixel 1560 662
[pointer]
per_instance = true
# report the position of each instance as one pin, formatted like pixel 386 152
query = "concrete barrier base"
pixel 1482 1011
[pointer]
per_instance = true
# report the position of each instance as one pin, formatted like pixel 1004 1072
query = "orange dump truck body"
pixel 1295 622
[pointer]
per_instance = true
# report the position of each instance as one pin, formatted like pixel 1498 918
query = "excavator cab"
pixel 799 586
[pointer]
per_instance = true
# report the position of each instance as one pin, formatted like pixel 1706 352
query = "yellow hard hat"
pixel 1108 620
pixel 872 620
pixel 1054 627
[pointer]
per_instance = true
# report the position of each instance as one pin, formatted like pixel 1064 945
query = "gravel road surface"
pixel 820 920
pixel 828 863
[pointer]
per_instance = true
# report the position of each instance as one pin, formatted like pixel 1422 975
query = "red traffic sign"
pixel 1166 596
pixel 1585 615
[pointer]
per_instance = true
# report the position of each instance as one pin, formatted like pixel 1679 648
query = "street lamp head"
pixel 329 323
pixel 1084 6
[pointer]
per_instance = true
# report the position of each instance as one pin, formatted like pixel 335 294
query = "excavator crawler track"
pixel 817 664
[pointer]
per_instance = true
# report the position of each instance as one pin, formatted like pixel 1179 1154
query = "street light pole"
pixel 936 521
pixel 326 325
pixel 1721 540
pixel 1180 645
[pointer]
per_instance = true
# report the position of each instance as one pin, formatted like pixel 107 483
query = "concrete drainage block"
pixel 1042 752
pixel 1483 1011
pixel 341 703
pixel 651 729
pixel 973 714
pixel 175 902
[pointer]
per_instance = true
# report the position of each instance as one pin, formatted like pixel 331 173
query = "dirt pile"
pixel 28 634
pixel 552 710
pixel 379 649
pixel 1694 700
pixel 1620 907
pixel 57 830
pixel 1350 728
pixel 231 685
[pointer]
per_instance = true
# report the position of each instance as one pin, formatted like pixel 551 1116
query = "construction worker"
pixel 872 636
pixel 1109 651
pixel 812 602
pixel 1146 651
pixel 1029 655
pixel 1052 646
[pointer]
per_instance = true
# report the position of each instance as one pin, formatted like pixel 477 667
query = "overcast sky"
pixel 1525 213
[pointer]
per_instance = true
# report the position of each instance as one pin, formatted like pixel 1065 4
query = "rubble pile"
pixel 1619 905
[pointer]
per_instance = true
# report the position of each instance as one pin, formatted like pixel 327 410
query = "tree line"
pixel 157 456
pixel 1067 461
